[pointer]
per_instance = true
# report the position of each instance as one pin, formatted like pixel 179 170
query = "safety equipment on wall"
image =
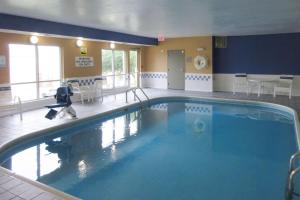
pixel 200 62
pixel 199 126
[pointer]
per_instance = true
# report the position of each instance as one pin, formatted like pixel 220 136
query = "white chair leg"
pixel 290 94
pixel 82 100
pixel 274 94
pixel 233 90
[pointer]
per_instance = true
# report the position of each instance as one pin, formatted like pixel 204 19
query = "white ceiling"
pixel 172 18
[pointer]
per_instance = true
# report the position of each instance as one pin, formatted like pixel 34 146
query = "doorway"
pixel 176 69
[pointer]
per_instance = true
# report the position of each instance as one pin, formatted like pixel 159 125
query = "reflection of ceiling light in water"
pixel 82 168
pixel 113 152
pixel 113 148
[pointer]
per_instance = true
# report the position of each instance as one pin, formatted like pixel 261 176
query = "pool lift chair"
pixel 63 101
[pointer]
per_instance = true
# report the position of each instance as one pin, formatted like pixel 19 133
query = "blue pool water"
pixel 175 150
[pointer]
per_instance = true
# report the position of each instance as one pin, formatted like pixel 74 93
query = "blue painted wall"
pixel 13 22
pixel 259 54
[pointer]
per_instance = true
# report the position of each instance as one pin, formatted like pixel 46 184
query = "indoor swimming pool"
pixel 172 149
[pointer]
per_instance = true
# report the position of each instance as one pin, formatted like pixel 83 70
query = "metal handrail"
pixel 291 174
pixel 290 184
pixel 143 93
pixel 292 160
pixel 135 94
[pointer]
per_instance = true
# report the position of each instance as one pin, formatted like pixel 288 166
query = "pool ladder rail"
pixel 289 192
pixel 136 96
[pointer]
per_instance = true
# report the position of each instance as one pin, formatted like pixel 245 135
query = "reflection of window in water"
pixel 107 133
pixel 115 130
pixel 35 162
pixel 133 126
pixel 119 131
pixel 49 161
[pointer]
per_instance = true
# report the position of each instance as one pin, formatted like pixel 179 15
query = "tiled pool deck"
pixel 11 127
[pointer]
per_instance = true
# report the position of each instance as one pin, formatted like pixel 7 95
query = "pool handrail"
pixel 135 94
pixel 292 161
pixel 290 184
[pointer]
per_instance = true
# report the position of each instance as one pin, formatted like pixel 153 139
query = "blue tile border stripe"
pixel 197 109
pixel 196 77
pixel 154 75
pixel 188 77
pixel 162 106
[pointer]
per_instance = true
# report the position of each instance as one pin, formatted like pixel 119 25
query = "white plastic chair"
pixel 240 83
pixel 97 88
pixel 82 91
pixel 285 85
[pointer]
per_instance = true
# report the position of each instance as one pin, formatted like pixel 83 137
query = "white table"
pixel 259 83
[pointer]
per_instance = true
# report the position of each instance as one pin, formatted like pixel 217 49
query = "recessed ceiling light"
pixel 79 43
pixel 112 45
pixel 34 39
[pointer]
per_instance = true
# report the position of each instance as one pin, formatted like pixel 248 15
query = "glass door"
pixel 107 69
pixel 114 68
pixel 133 68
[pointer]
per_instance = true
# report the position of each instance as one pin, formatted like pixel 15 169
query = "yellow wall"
pixel 155 57
pixel 69 52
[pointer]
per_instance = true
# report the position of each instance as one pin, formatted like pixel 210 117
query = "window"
pixel 114 68
pixel 34 70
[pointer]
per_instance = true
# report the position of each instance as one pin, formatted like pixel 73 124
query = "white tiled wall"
pixel 154 80
pixel 193 81
pixel 224 82
pixel 198 82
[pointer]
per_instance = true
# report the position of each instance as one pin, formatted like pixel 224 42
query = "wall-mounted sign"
pixel 83 61
pixel 83 51
pixel 2 61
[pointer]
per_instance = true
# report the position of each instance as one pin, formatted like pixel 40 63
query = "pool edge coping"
pixel 7 145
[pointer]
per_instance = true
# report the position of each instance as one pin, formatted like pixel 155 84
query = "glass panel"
pixel 121 80
pixel 25 91
pixel 120 68
pixel 107 68
pixel 119 57
pixel 49 63
pixel 5 97
pixel 22 63
pixel 48 88
pixel 108 83
pixel 133 56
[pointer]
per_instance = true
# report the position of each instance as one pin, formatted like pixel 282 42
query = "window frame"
pixel 37 78
pixel 125 65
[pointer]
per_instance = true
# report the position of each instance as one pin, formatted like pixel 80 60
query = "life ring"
pixel 200 62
